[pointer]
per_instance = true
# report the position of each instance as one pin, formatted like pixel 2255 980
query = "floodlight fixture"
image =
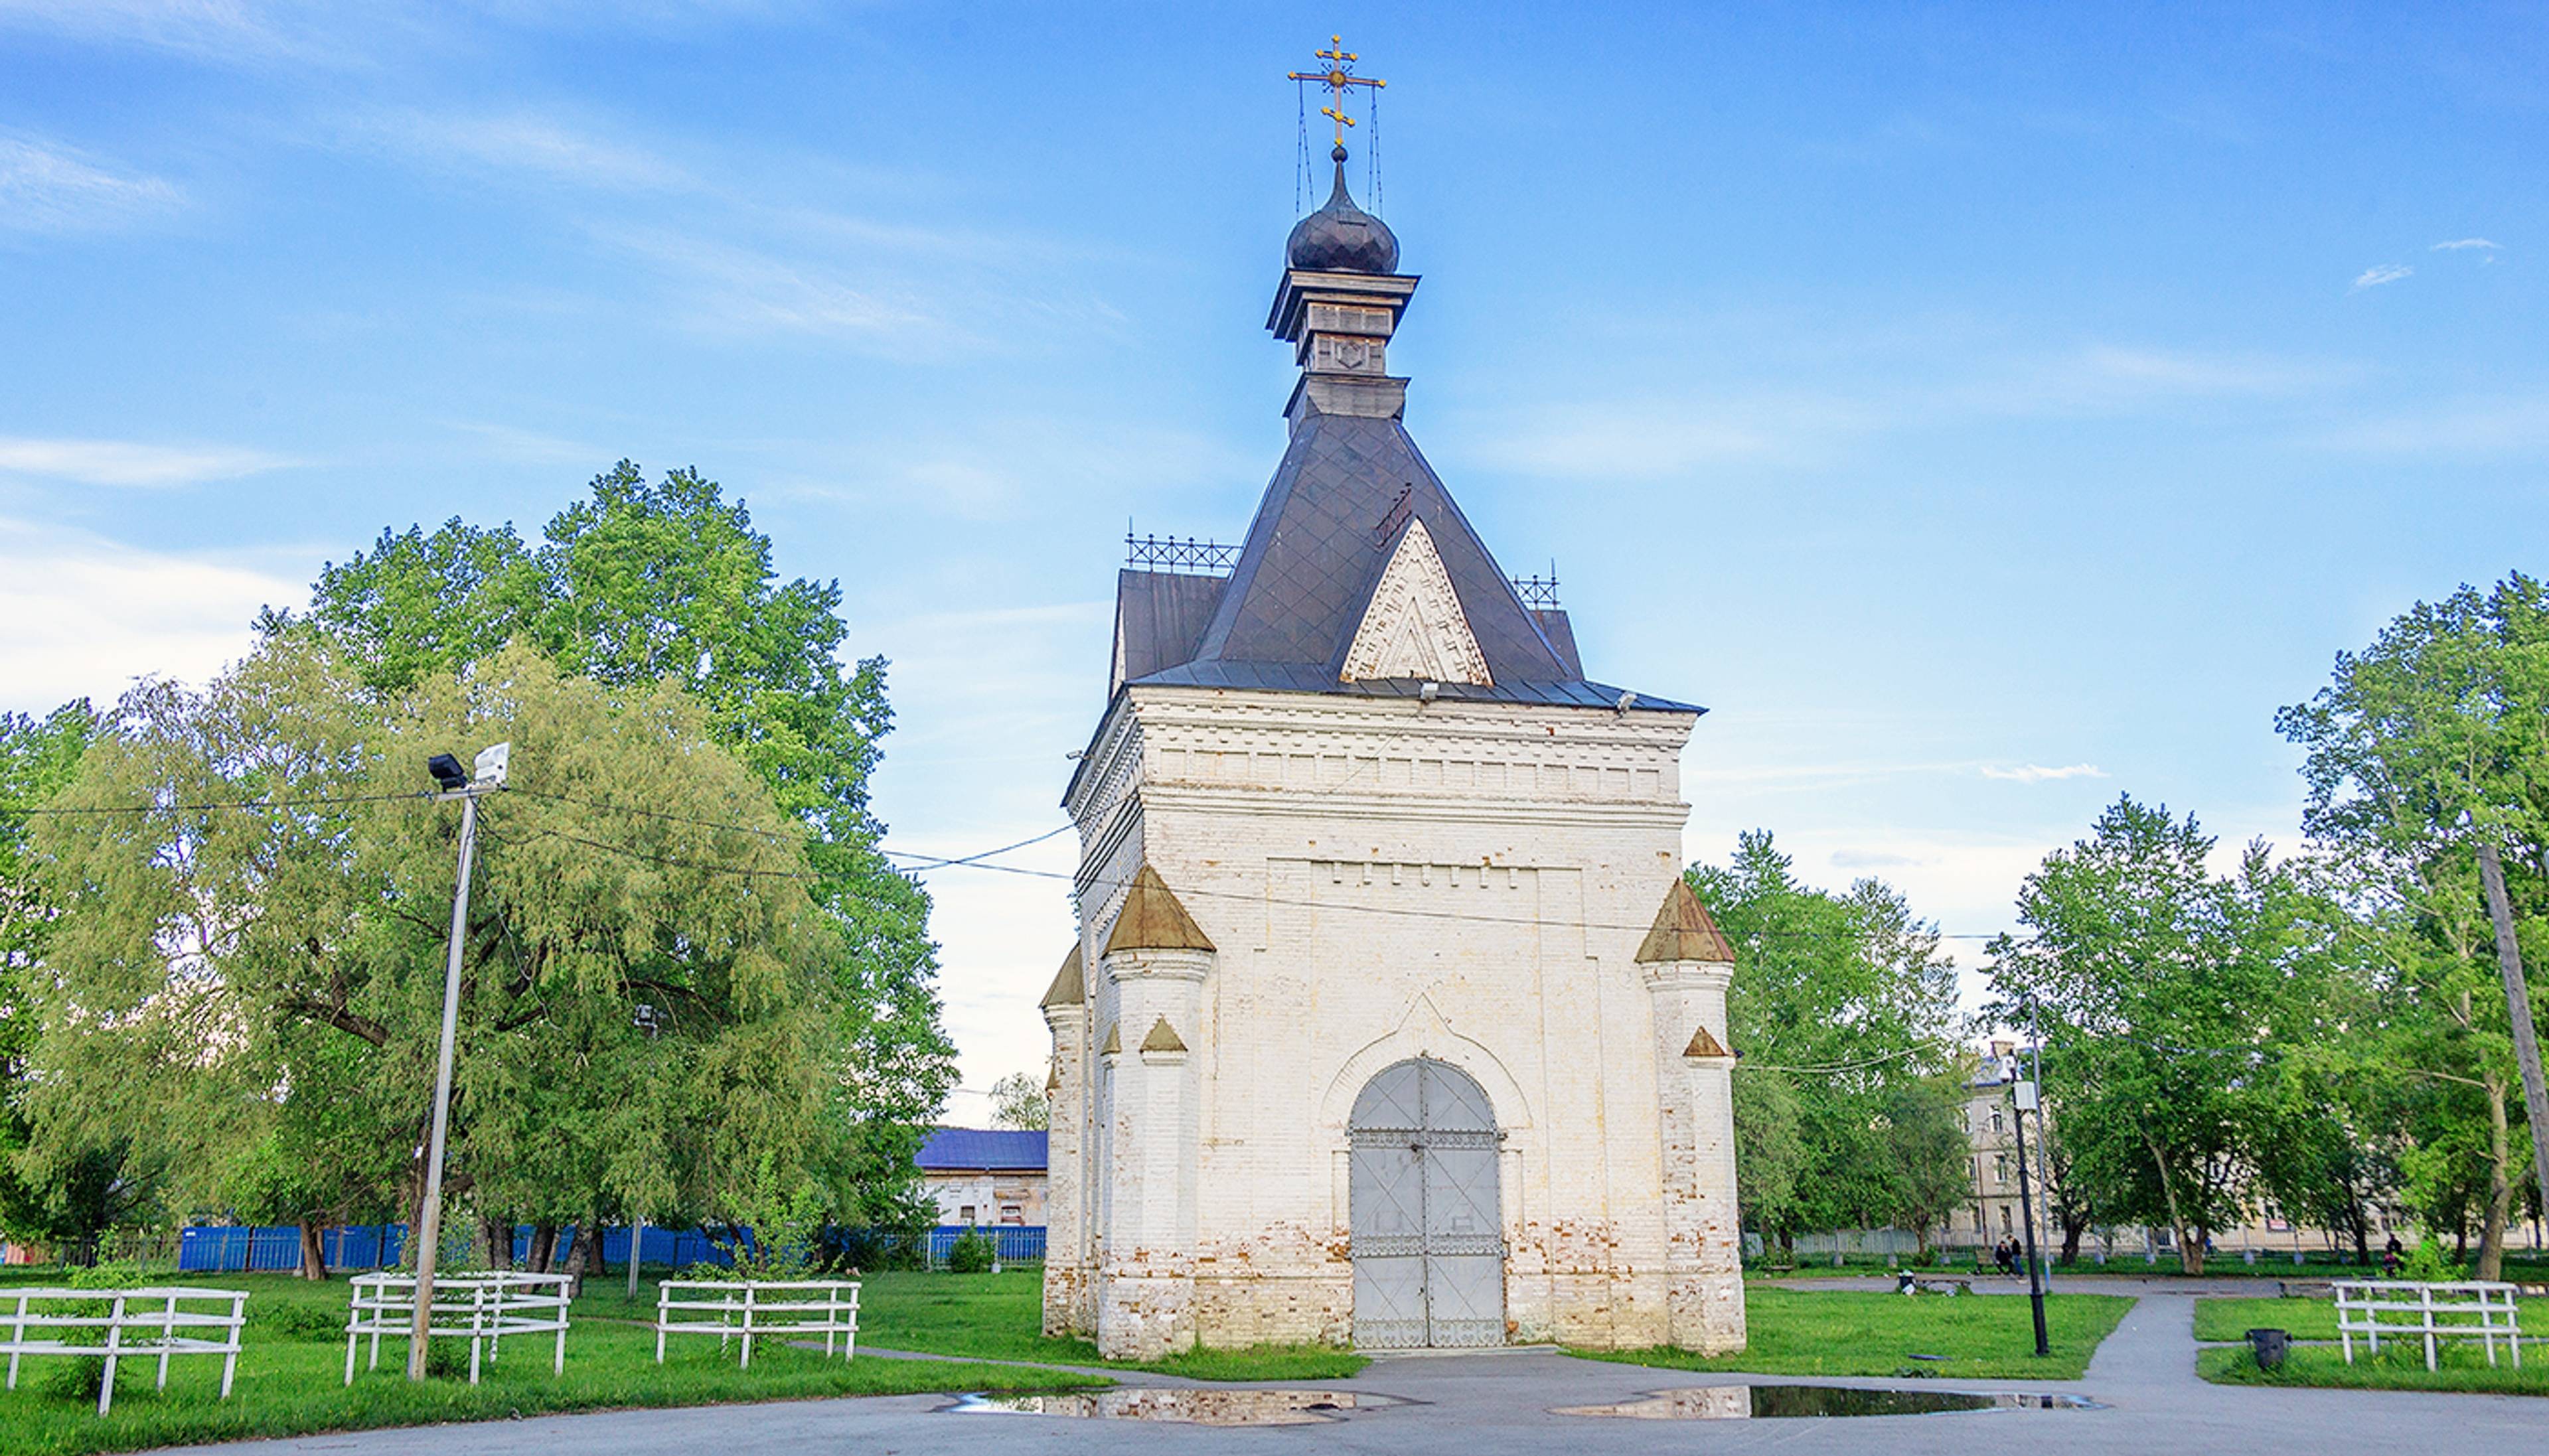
pixel 492 763
pixel 448 773
pixel 1428 692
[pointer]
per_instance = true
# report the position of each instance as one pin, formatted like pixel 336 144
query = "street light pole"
pixel 489 775
pixel 2023 1096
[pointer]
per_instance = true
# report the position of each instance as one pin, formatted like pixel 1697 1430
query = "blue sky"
pixel 1985 408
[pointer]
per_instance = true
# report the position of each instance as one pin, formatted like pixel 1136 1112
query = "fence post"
pixel 238 1336
pixel 113 1343
pixel 663 1312
pixel 750 1292
pixel 2425 1298
pixel 17 1337
pixel 168 1331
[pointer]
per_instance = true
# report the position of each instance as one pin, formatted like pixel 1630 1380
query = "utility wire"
pixel 18 811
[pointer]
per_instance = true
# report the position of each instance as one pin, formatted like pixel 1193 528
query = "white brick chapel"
pixel 1390 1020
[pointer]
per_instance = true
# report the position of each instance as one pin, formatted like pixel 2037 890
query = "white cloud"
pixel 2040 773
pixel 547 147
pixel 50 189
pixel 2385 273
pixel 127 462
pixel 87 615
pixel 2458 243
pixel 1656 437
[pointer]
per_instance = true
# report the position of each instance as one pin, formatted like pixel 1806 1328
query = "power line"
pixel 920 862
pixel 32 810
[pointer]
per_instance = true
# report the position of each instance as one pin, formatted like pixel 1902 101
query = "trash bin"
pixel 2269 1346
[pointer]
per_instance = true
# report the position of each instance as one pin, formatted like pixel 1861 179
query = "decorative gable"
pixel 1413 626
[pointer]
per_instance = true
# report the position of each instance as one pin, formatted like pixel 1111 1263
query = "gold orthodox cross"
pixel 1337 77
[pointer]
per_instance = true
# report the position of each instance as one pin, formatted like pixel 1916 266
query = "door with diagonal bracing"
pixel 1429 1252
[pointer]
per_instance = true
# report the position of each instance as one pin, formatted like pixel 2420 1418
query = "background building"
pixel 985 1176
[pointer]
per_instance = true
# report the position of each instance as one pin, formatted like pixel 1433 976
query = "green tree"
pixel 2433 740
pixel 1018 1101
pixel 1926 1152
pixel 2169 997
pixel 1840 1004
pixel 667 581
pixel 251 995
pixel 84 1191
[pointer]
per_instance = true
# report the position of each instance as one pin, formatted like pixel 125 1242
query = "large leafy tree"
pixel 1844 1013
pixel 2425 745
pixel 2170 998
pixel 243 978
pixel 84 1190
pixel 667 581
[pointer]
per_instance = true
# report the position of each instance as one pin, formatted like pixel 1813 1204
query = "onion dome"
pixel 1341 237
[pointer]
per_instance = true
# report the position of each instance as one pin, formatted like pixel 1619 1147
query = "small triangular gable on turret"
pixel 1683 931
pixel 1412 623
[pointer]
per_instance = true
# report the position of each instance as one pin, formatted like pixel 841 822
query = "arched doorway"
pixel 1429 1251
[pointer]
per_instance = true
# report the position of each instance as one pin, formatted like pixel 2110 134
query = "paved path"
pixel 1497 1404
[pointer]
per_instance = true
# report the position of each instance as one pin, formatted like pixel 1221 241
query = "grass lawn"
pixel 1798 1332
pixel 998 1317
pixel 2399 1368
pixel 2231 1319
pixel 290 1379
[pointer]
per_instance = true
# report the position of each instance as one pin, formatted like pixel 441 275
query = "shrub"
pixel 294 1320
pixel 2427 1265
pixel 970 1254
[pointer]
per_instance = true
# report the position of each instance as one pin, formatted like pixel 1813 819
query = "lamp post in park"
pixel 2023 1098
pixel 450 782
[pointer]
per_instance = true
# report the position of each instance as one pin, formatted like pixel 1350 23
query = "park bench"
pixel 759 1308
pixel 481 1309
pixel 137 1322
pixel 2433 1313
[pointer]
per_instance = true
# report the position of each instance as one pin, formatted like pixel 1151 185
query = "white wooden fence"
pixel 2433 1313
pixel 481 1309
pixel 138 1323
pixel 763 1309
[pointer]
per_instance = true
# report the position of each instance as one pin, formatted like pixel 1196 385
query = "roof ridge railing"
pixel 1539 593
pixel 1192 555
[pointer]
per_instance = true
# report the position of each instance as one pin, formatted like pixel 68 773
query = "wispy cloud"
pixel 737 290
pixel 219 31
pixel 2375 277
pixel 48 188
pixel 2457 245
pixel 128 463
pixel 2040 773
pixel 88 615
pixel 1662 437
pixel 549 148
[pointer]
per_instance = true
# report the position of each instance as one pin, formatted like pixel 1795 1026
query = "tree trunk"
pixel 544 1250
pixel 314 1250
pixel 580 1255
pixel 499 1233
pixel 2190 1253
pixel 2072 1228
pixel 2499 1186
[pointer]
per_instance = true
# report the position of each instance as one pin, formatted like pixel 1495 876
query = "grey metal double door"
pixel 1429 1253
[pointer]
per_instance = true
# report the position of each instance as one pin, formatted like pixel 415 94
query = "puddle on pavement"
pixel 1773 1402
pixel 1186 1406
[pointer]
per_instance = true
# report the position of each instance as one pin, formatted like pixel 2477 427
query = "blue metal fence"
pixel 1011 1242
pixel 277 1247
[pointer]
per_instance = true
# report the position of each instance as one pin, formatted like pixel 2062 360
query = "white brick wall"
pixel 1386 880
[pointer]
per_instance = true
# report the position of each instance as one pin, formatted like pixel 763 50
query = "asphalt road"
pixel 1500 1404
